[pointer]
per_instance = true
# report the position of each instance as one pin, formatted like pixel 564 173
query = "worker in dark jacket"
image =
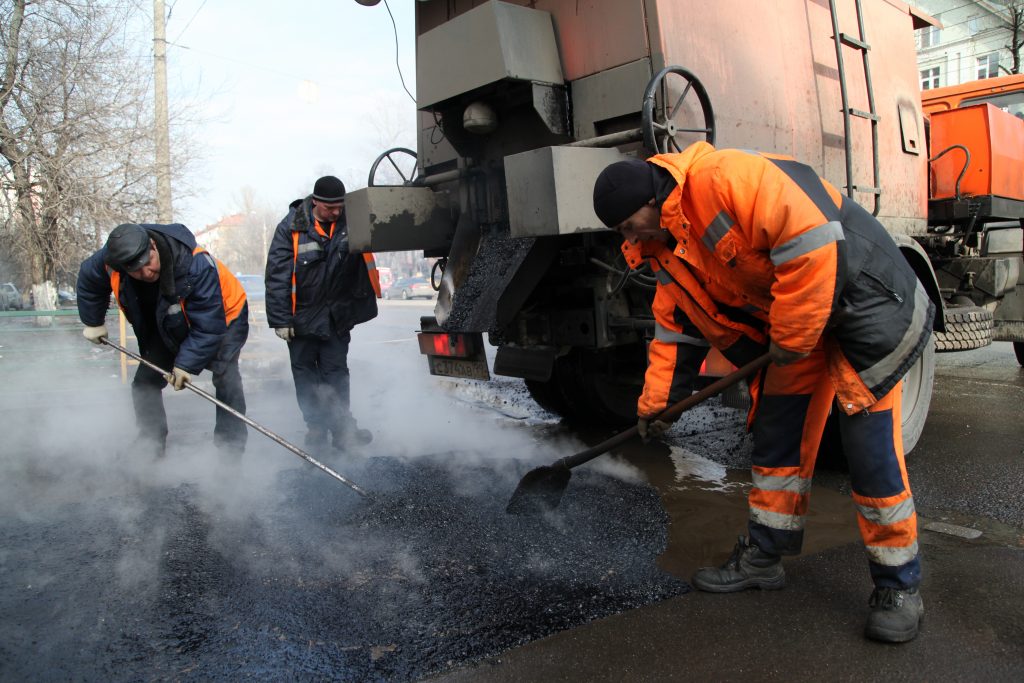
pixel 753 253
pixel 316 292
pixel 188 312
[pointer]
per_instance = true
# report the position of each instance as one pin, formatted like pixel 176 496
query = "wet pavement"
pixel 199 567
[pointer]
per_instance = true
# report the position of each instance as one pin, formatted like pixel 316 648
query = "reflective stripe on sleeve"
pixel 663 334
pixel 826 233
pixel 714 233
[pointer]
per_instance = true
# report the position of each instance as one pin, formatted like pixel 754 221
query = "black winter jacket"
pixel 331 284
pixel 191 278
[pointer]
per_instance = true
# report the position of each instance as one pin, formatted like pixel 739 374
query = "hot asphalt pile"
pixel 319 583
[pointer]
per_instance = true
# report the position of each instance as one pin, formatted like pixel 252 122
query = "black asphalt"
pixel 203 568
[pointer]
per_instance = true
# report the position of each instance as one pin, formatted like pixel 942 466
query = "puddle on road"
pixel 707 508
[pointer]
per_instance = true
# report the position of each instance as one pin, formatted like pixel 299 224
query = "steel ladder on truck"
pixel 860 44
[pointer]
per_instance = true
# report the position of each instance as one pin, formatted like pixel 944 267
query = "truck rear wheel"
pixel 916 398
pixel 1018 348
pixel 967 327
pixel 594 386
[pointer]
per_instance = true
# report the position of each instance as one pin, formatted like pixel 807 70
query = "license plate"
pixel 454 367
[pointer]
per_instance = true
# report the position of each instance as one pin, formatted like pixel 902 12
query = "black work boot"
pixel 148 446
pixel 349 435
pixel 747 567
pixel 316 437
pixel 895 614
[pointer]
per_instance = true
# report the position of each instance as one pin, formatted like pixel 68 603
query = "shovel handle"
pixel 673 411
pixel 260 428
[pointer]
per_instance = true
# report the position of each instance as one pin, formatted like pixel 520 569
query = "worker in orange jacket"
pixel 755 252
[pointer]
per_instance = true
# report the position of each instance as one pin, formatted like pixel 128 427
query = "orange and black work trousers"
pixel 792 406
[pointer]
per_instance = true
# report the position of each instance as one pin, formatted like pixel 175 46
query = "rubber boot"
pixel 316 437
pixel 895 615
pixel 747 567
pixel 349 435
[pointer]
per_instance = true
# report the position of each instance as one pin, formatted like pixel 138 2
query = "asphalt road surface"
pixel 201 566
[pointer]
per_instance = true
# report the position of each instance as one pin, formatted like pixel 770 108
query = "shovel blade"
pixel 539 491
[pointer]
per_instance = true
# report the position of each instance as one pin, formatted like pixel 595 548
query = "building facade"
pixel 972 43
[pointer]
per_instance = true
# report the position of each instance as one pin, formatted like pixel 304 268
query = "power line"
pixel 189 21
pixel 394 27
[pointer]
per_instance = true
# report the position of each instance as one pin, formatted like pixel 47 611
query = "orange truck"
pixel 521 104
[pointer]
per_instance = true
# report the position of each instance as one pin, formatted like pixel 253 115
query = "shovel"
pixel 541 489
pixel 262 430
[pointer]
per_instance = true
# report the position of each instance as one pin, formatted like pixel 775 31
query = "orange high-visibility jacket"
pixel 765 249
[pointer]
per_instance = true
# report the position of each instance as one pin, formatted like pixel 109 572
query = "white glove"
pixel 286 333
pixel 95 334
pixel 178 378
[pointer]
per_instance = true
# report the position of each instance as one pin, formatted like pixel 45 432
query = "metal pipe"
pixel 438 178
pixel 261 429
pixel 610 140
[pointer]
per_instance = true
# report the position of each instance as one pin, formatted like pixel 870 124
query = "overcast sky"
pixel 287 92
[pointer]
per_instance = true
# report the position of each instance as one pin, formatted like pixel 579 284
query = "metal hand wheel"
pixel 401 160
pixel 661 123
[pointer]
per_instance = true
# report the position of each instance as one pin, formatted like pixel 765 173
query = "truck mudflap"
pixel 452 354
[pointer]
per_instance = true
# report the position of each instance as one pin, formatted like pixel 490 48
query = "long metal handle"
pixel 672 411
pixel 260 428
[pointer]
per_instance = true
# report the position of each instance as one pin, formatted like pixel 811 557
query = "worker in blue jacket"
pixel 317 290
pixel 188 312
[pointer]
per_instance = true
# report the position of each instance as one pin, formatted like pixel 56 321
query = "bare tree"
pixel 76 149
pixel 1013 15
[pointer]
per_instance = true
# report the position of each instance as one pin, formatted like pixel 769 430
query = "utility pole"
pixel 163 144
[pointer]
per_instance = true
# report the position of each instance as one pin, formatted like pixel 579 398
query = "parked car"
pixel 256 294
pixel 255 287
pixel 10 298
pixel 410 288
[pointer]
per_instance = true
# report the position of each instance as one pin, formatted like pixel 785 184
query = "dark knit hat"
pixel 127 247
pixel 622 189
pixel 329 189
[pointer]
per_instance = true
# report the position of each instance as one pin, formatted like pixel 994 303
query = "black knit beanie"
pixel 621 189
pixel 329 189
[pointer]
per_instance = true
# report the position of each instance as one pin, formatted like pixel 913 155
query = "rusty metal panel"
pixel 495 41
pixel 771 72
pixel 550 190
pixel 397 219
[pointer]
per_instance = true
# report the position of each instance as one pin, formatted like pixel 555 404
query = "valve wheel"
pixel 396 158
pixel 662 123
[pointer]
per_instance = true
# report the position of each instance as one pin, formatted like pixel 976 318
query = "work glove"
pixel 286 333
pixel 649 428
pixel 781 356
pixel 95 333
pixel 178 378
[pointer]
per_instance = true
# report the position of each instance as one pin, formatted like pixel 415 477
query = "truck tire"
pixel 548 395
pixel 915 401
pixel 917 396
pixel 1018 348
pixel 594 387
pixel 967 327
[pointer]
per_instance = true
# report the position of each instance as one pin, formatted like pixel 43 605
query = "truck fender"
pixel 922 265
